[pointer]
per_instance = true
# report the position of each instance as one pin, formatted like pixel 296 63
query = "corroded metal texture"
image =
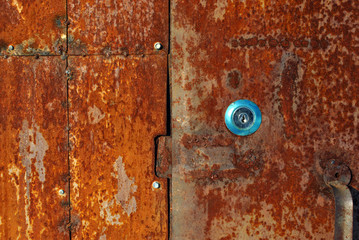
pixel 33 154
pixel 117 27
pixel 117 108
pixel 164 157
pixel 32 27
pixel 298 61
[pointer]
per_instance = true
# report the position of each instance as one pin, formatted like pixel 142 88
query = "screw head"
pixel 61 192
pixel 158 46
pixel 156 185
pixel 11 47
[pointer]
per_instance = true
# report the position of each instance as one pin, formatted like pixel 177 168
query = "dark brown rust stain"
pixel 32 129
pixel 302 74
pixel 164 157
pixel 135 25
pixel 35 27
pixel 117 108
pixel 288 93
pixel 234 79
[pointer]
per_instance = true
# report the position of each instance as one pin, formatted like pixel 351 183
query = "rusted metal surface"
pixel 117 27
pixel 32 27
pixel 117 108
pixel 164 157
pixel 297 60
pixel 33 154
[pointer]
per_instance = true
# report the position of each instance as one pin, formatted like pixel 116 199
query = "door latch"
pixel 338 177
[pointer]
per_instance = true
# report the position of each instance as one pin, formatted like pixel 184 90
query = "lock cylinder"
pixel 243 117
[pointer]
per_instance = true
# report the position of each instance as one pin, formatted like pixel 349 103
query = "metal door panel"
pixel 34 155
pixel 32 27
pixel 117 27
pixel 297 60
pixel 117 108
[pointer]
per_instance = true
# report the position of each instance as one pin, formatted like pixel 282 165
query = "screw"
pixel 11 47
pixel 61 192
pixel 156 185
pixel 158 46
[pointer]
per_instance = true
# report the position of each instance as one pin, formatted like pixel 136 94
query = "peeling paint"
pixel 94 115
pixel 32 145
pixel 105 213
pixel 220 9
pixel 126 188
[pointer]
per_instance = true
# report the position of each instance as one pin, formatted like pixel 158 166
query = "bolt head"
pixel 61 192
pixel 158 46
pixel 156 185
pixel 11 47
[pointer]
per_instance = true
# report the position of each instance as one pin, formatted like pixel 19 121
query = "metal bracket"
pixel 164 157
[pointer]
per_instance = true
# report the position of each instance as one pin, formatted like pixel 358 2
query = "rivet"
pixel 11 47
pixel 156 185
pixel 61 192
pixel 158 46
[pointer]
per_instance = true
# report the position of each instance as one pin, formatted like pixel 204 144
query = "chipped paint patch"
pixel 126 188
pixel 220 10
pixel 32 145
pixel 95 115
pixel 105 213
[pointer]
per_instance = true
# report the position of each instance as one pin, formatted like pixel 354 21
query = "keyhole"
pixel 243 117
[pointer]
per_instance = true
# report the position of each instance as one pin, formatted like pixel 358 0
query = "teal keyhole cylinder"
pixel 243 117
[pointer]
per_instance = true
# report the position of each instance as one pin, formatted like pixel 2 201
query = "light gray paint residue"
pixel 126 188
pixel 32 145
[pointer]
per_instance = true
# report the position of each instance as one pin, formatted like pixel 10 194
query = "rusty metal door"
pixel 298 61
pixel 85 93
pixel 83 96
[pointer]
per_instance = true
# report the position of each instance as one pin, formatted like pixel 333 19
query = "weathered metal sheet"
pixel 33 138
pixel 298 61
pixel 117 108
pixel 117 27
pixel 32 27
